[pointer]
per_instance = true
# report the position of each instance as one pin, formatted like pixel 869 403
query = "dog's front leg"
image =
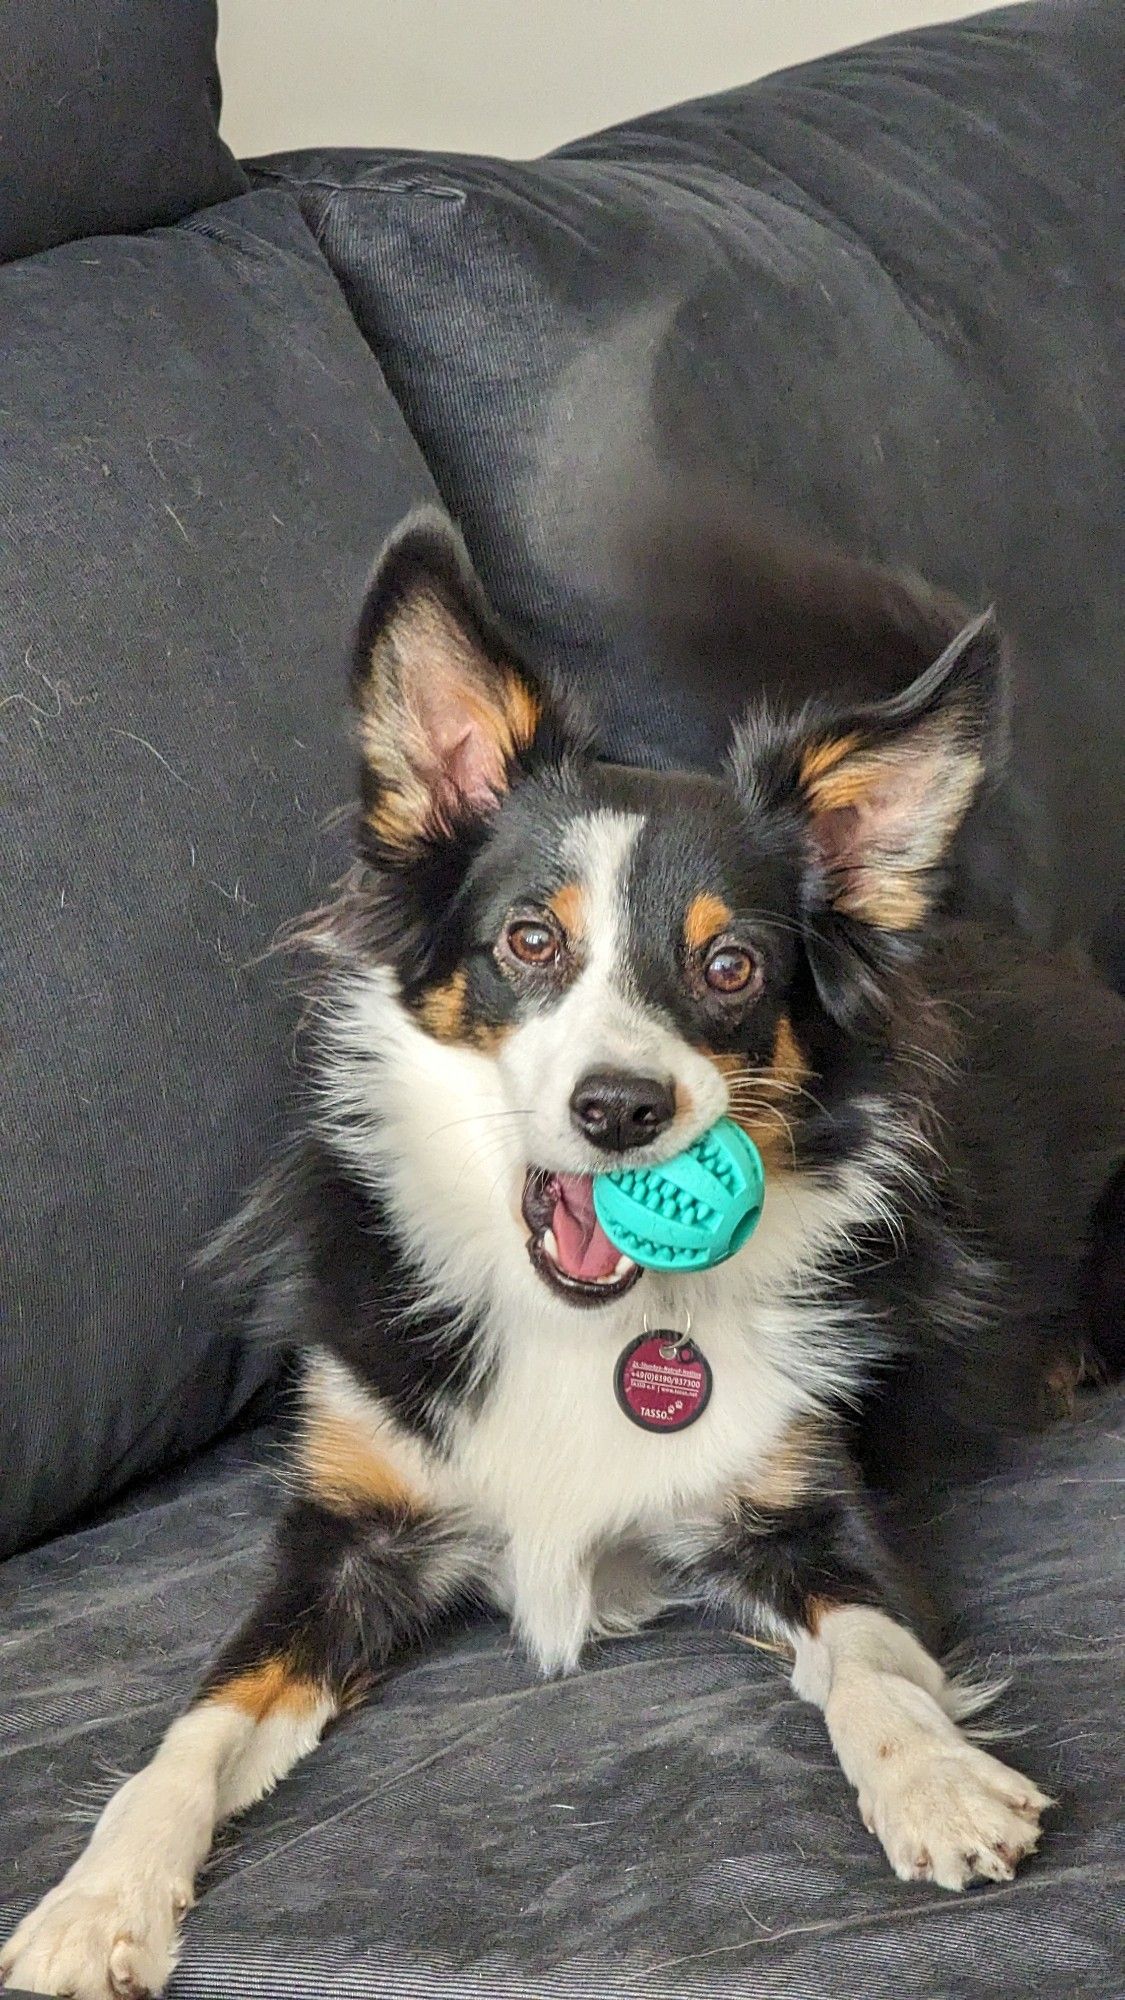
pixel 944 1810
pixel 351 1589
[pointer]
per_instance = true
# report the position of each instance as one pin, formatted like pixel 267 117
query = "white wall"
pixel 508 76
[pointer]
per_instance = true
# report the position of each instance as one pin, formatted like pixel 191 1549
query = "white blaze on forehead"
pixel 602 1021
pixel 598 851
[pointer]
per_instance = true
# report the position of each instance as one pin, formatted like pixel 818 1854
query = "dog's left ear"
pixel 881 792
pixel 886 790
pixel 444 715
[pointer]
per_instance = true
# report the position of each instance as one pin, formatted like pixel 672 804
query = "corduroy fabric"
pixel 200 459
pixel 109 118
pixel 668 1822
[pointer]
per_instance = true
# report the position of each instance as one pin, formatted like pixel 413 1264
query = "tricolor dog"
pixel 544 967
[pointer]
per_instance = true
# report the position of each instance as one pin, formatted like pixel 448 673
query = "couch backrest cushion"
pixel 109 116
pixel 200 461
pixel 881 292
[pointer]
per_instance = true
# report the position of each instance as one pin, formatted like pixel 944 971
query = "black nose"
pixel 615 1109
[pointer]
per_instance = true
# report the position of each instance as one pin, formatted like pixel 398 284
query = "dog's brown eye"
pixel 532 943
pixel 730 969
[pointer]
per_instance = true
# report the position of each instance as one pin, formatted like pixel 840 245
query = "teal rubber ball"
pixel 692 1212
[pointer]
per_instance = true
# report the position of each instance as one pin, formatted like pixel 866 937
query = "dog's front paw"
pixel 91 1941
pixel 949 1813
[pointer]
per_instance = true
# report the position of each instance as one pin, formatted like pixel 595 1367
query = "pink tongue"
pixel 585 1250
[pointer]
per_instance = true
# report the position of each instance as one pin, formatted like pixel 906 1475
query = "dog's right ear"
pixel 446 718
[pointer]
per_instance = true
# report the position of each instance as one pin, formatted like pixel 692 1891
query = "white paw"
pixel 949 1813
pixel 90 1941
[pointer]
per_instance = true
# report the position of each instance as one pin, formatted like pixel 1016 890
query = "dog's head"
pixel 627 955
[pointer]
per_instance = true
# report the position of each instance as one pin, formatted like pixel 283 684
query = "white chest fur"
pixel 544 1461
pixel 556 1470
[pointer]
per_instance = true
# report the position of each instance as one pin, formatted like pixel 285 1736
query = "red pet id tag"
pixel 662 1381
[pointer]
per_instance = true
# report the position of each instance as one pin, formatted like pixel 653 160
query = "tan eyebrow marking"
pixel 568 904
pixel 706 915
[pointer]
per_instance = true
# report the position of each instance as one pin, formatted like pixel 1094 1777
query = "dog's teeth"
pixel 623 1265
pixel 550 1246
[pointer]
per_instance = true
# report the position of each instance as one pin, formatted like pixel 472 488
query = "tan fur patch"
pixel 341 1467
pixel 817 1608
pixel 789 1065
pixel 894 905
pixel 761 1097
pixel 443 1013
pixel 706 915
pixel 522 713
pixel 399 816
pixel 820 758
pixel 831 788
pixel 568 904
pixel 269 1689
pixel 789 1470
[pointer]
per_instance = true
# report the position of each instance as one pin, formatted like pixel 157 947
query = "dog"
pixel 544 966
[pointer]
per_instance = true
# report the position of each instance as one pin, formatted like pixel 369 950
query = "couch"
pixel 882 291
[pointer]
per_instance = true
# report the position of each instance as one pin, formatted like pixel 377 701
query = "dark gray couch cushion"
pixel 109 118
pixel 883 291
pixel 200 458
pixel 669 1822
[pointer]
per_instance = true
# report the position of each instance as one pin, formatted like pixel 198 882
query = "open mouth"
pixel 568 1246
